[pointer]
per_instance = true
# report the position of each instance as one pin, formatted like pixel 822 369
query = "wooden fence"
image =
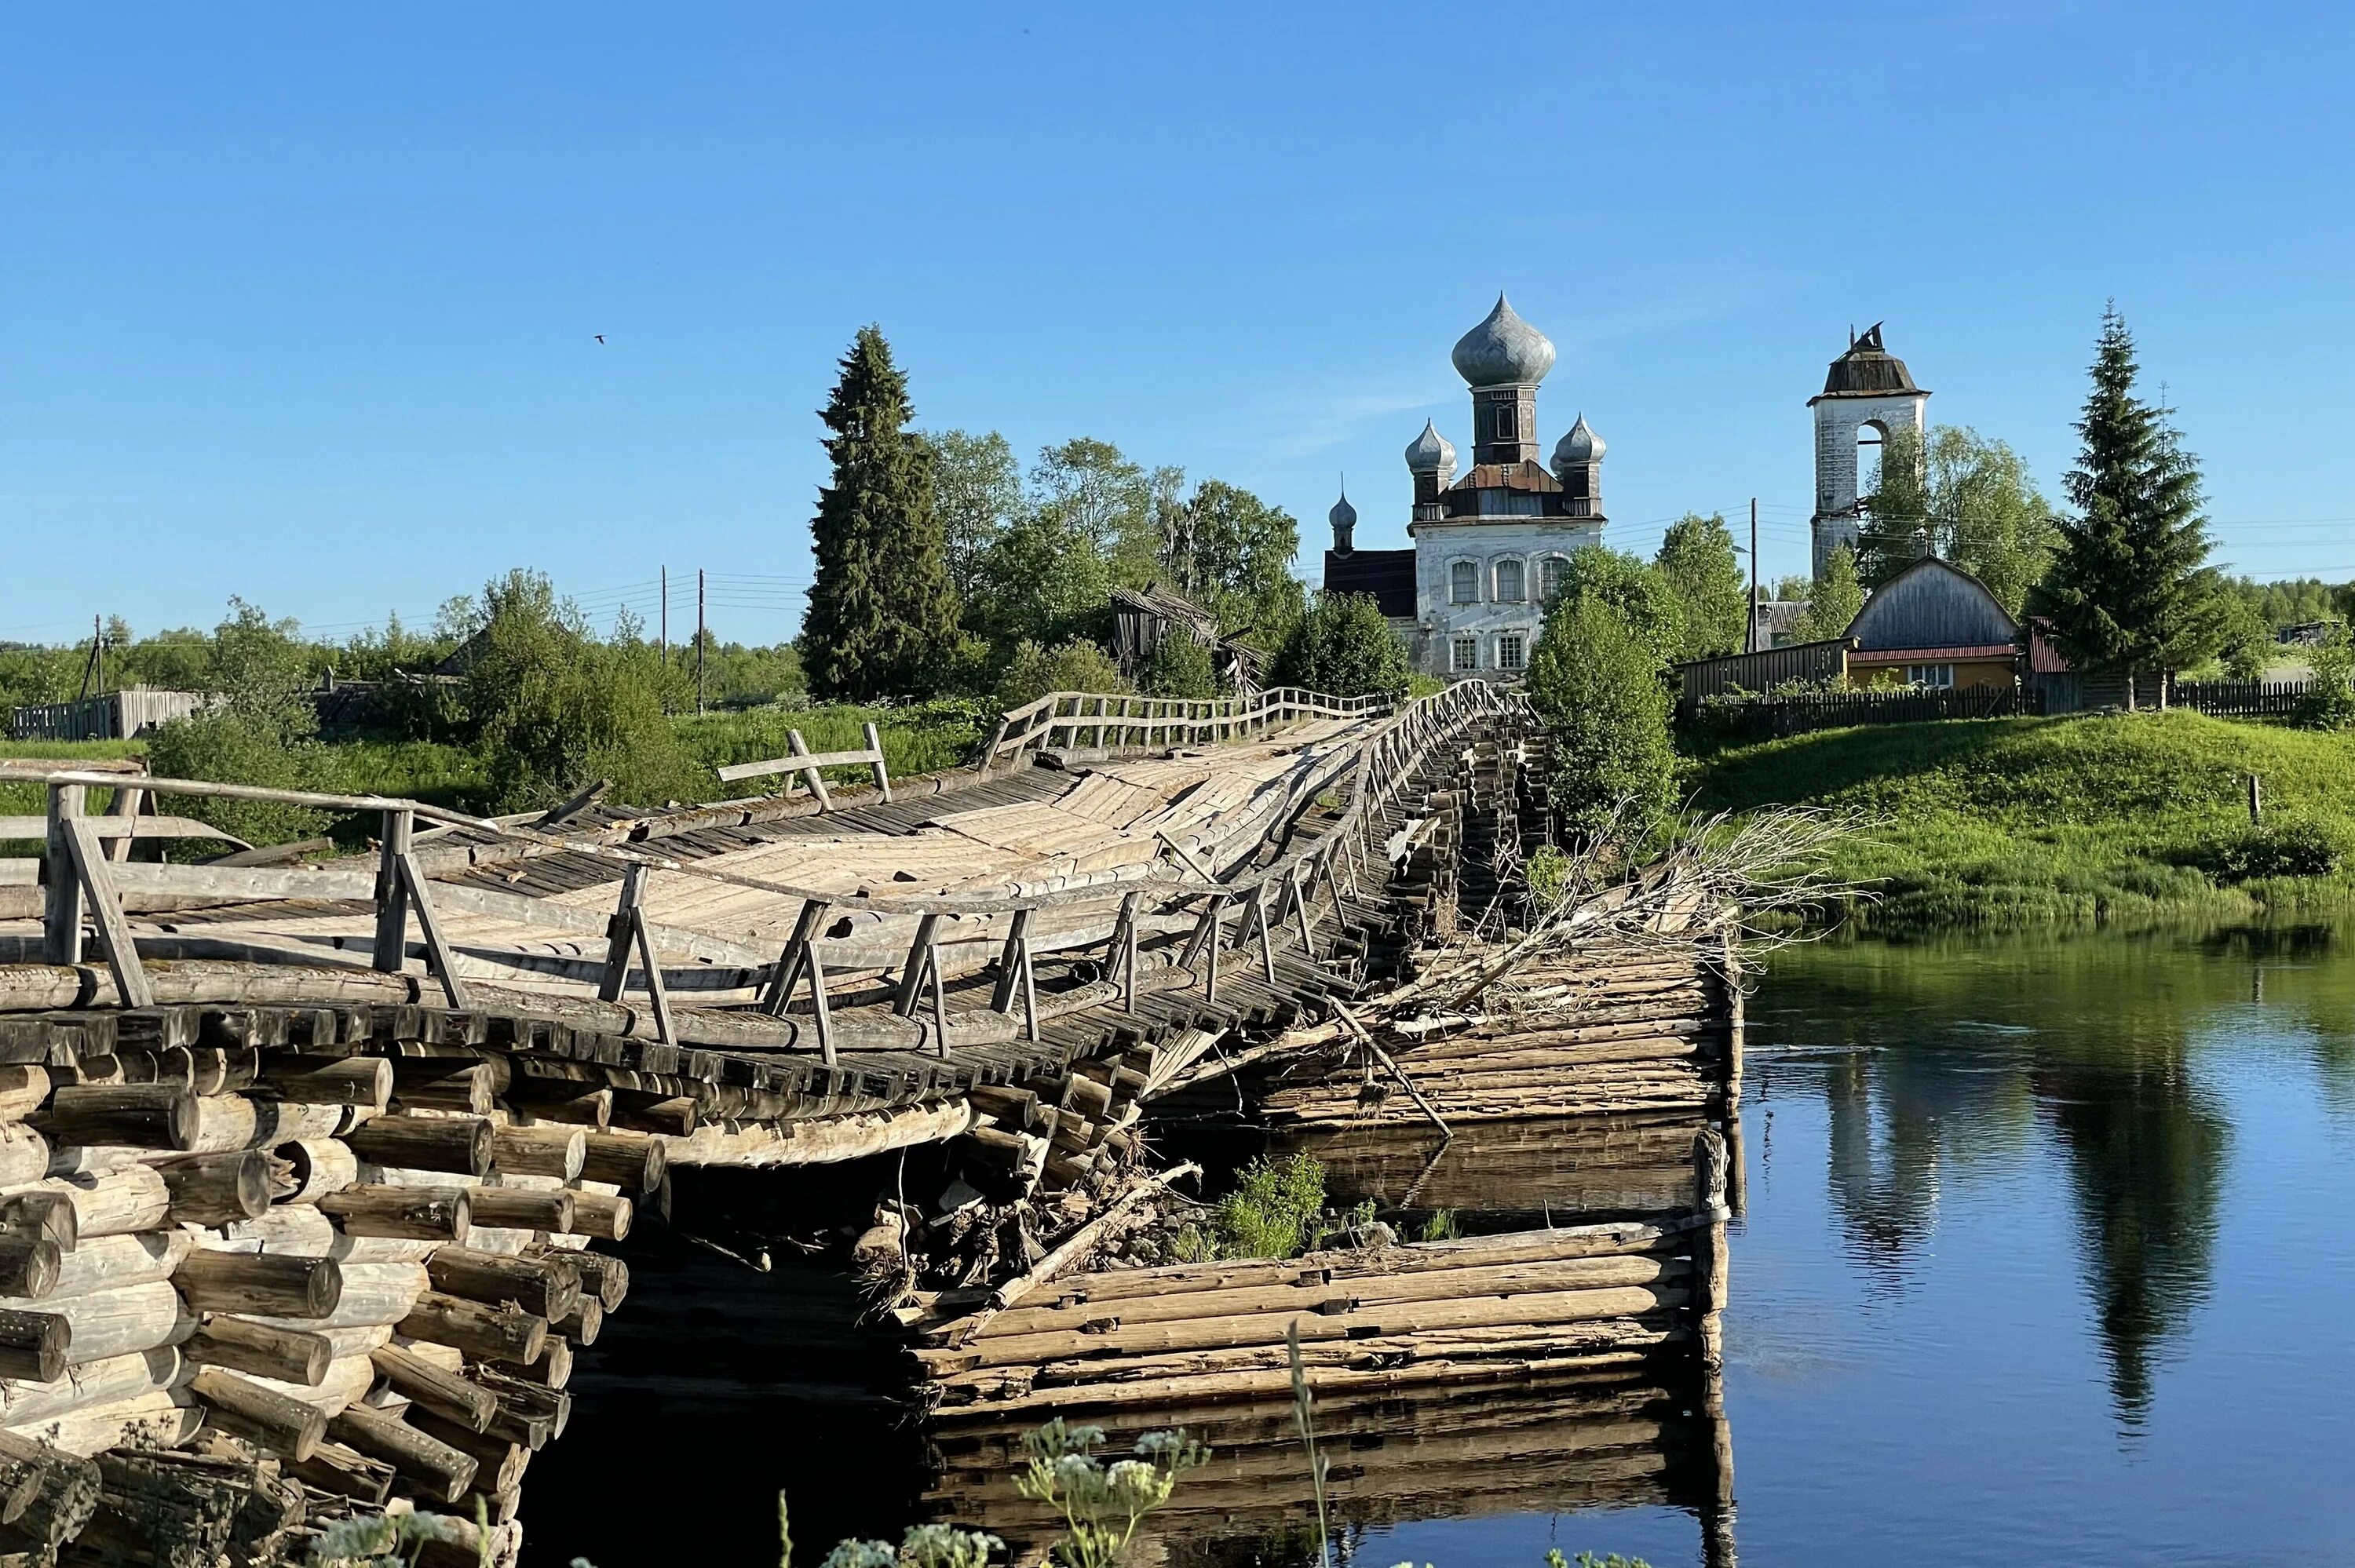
pixel 1762 718
pixel 2242 699
pixel 125 714
pixel 1766 669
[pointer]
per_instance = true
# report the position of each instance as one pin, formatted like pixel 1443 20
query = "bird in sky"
pixel 599 337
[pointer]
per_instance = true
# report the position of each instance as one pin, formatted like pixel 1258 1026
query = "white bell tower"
pixel 1869 388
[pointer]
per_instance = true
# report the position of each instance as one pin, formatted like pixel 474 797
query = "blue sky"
pixel 298 302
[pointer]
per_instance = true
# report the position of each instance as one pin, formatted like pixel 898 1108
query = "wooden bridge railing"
pixel 80 881
pixel 1095 721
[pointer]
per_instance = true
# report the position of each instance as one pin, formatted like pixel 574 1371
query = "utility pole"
pixel 665 616
pixel 1750 633
pixel 698 640
pixel 98 650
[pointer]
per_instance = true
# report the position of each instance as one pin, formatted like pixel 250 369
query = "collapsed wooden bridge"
pixel 309 1174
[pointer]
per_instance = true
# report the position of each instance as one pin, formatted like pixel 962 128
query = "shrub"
pixel 1074 666
pixel 2294 846
pixel 1598 687
pixel 1343 648
pixel 1181 667
pixel 1274 1210
pixel 2330 701
pixel 232 748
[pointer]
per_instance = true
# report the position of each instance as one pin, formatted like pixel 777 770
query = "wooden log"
pixel 109 1263
pixel 459 1144
pixel 438 1471
pixel 606 1217
pixel 556 1151
pixel 24 1154
pixel 290 1355
pixel 428 1083
pixel 581 1324
pixel 46 1215
pixel 330 1080
pixel 634 1161
pixel 418 1214
pixel 240 1406
pixel 50 1493
pixel 436 1388
pixel 26 1404
pixel 163 1419
pixel 603 1276
pixel 539 1288
pixel 120 1322
pixel 554 1369
pixel 501 1459
pixel 33 1345
pixel 274 1284
pixel 375 1294
pixel 491 1333
pixel 22 1090
pixel 320 1166
pixel 218 1189
pixel 675 1115
pixel 135 1115
pixel 116 1203
pixel 524 1209
pixel 342 1471
pixel 28 1267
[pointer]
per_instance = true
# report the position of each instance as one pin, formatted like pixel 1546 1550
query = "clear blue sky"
pixel 297 301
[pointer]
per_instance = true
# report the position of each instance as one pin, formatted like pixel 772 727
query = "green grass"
pixel 922 737
pixel 2123 819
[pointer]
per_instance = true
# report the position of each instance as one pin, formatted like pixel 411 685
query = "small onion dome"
pixel 1503 351
pixel 1343 515
pixel 1430 452
pixel 1580 446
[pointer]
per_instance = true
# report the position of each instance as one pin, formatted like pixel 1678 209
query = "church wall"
pixel 1486 544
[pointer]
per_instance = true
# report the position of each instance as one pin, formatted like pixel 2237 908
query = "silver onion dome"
pixel 1430 452
pixel 1580 445
pixel 1503 351
pixel 1343 515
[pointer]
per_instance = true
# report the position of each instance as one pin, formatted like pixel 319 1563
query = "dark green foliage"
pixel 882 614
pixel 2329 700
pixel 1598 686
pixel 1639 591
pixel 1832 601
pixel 1974 500
pixel 1181 667
pixel 1274 1210
pixel 257 729
pixel 552 710
pixel 2289 846
pixel 2130 588
pixel 1698 562
pixel 1042 580
pixel 2299 602
pixel 1342 646
pixel 2248 640
pixel 1074 667
pixel 978 490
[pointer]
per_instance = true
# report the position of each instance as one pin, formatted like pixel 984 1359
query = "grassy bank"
pixel 2126 819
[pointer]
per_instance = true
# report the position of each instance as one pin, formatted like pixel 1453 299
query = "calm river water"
pixel 2046 1256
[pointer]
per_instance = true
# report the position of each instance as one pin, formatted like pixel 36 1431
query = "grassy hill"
pixel 2129 819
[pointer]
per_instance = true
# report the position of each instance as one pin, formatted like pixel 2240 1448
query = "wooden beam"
pixel 882 772
pixel 93 869
pixel 438 956
pixel 61 901
pixel 392 894
pixel 920 957
pixel 619 930
pixel 796 952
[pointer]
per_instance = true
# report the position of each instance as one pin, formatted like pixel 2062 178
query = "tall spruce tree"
pixel 882 615
pixel 2130 591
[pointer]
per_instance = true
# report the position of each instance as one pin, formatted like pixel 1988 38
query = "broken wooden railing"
pixel 804 763
pixel 1098 722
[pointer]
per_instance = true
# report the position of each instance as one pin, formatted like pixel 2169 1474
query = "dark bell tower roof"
pixel 1868 370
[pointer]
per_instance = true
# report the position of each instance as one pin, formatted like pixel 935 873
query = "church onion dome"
pixel 1580 445
pixel 1343 515
pixel 1430 452
pixel 1503 351
pixel 1868 370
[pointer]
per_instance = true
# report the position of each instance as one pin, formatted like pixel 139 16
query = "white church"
pixel 1490 546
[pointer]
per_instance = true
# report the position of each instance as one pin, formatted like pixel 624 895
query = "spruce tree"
pixel 2130 590
pixel 883 617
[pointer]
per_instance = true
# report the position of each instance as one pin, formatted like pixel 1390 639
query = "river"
pixel 2044 1255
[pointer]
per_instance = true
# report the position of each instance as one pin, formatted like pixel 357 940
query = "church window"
pixel 1509 653
pixel 1464 583
pixel 1508 582
pixel 1465 654
pixel 1551 571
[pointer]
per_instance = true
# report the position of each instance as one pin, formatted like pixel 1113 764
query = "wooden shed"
pixel 1933 624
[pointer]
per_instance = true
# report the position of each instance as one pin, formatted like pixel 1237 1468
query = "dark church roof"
pixel 1868 370
pixel 1388 575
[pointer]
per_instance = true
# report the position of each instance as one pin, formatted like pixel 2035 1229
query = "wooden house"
pixel 1141 619
pixel 1934 625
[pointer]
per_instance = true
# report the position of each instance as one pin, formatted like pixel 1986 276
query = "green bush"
pixel 1597 685
pixel 1181 667
pixel 1274 1210
pixel 1074 666
pixel 2330 701
pixel 232 747
pixel 1342 647
pixel 2294 846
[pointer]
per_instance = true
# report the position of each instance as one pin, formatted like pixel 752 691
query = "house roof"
pixel 1868 370
pixel 1931 655
pixel 1388 575
pixel 1931 603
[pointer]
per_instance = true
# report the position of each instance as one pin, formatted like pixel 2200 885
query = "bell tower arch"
pixel 1868 394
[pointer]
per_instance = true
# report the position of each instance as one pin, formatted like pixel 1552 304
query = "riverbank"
pixel 2118 820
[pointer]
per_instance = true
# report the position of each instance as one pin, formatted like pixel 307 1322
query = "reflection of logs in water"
pixel 1592 1440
